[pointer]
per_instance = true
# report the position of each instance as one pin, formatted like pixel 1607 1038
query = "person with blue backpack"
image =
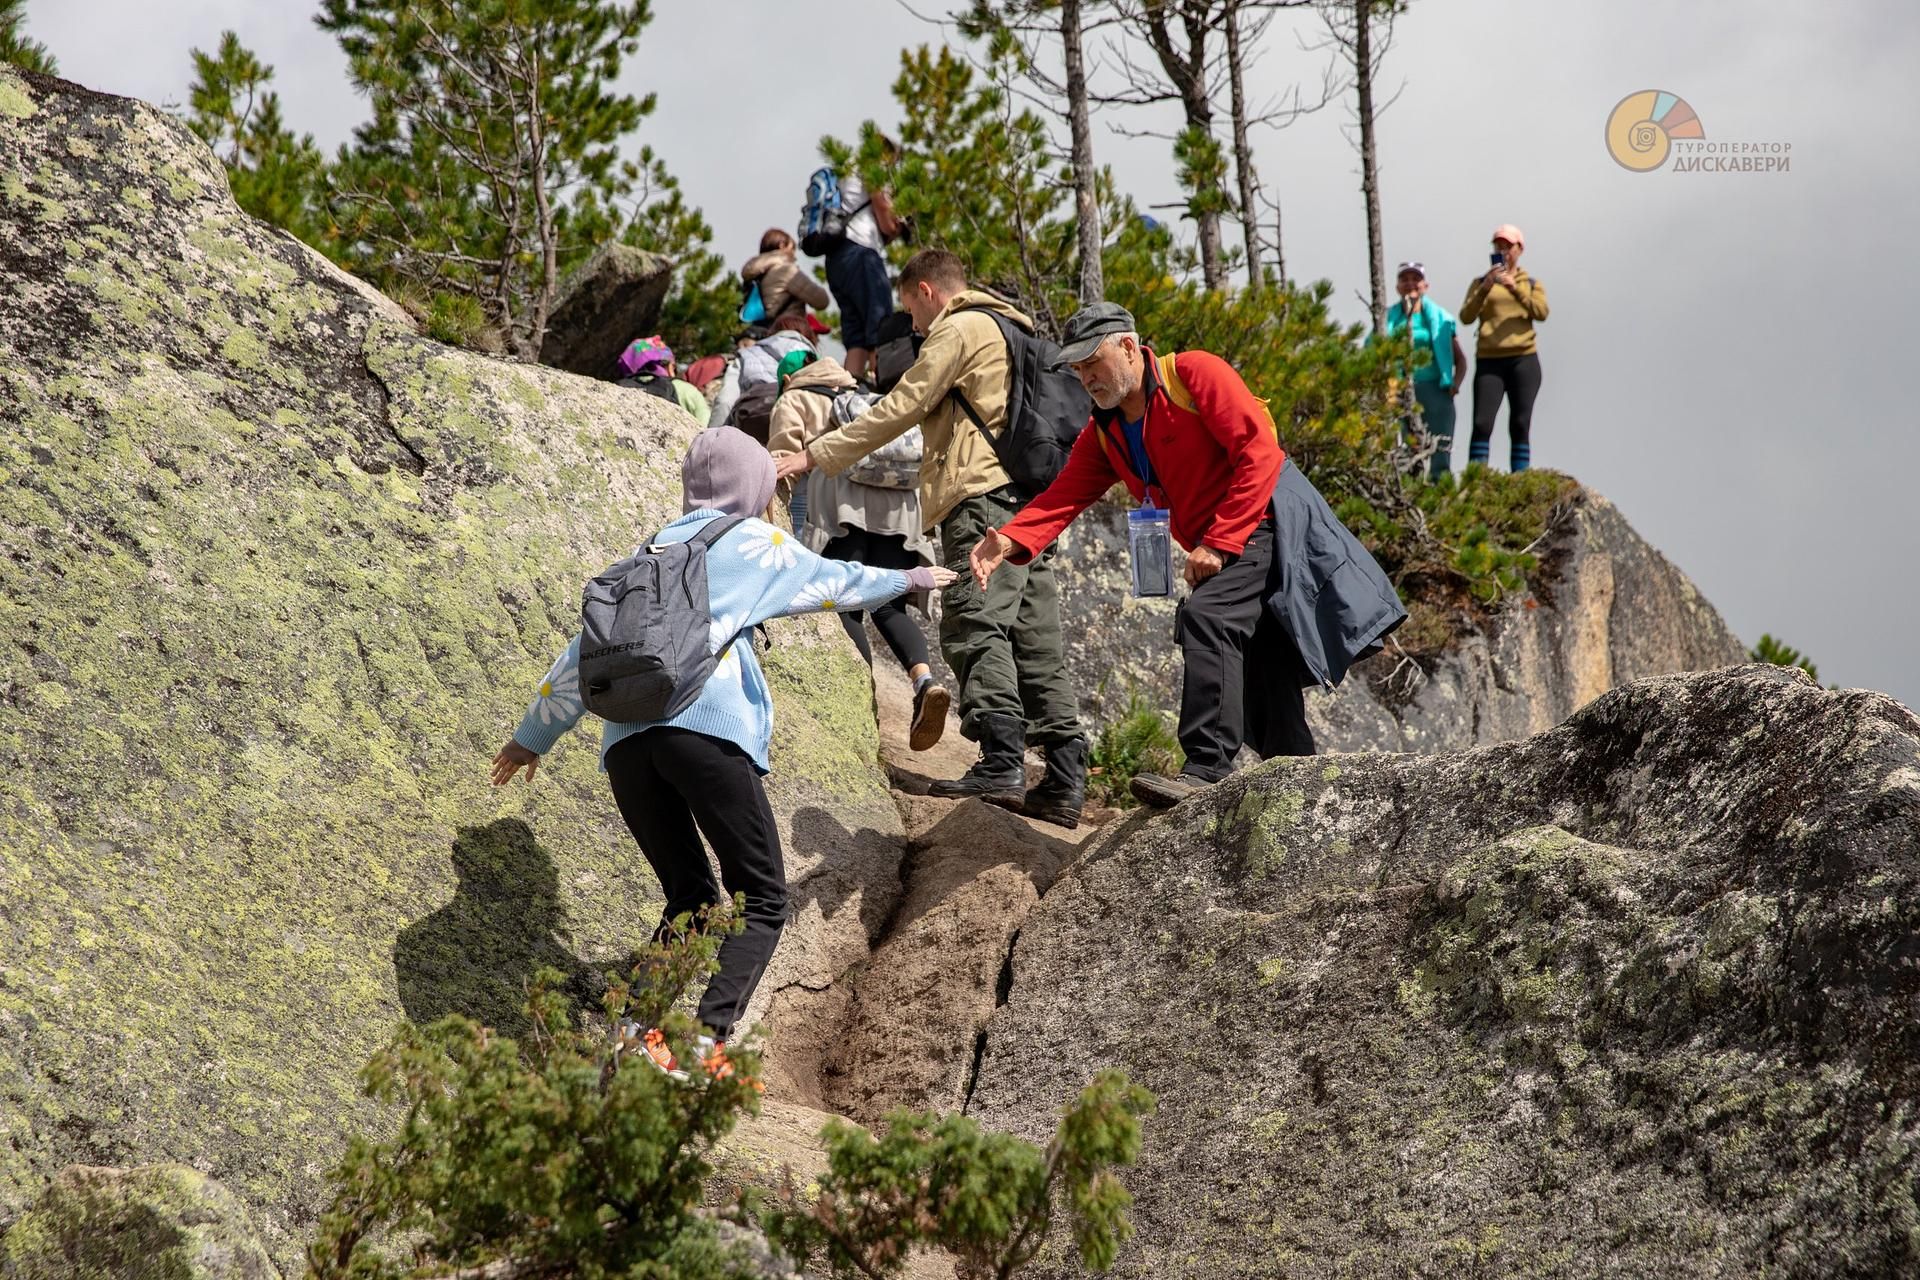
pixel 851 227
pixel 665 657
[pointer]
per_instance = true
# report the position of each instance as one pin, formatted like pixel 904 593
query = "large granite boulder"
pixel 279 576
pixel 609 300
pixel 1605 608
pixel 1638 996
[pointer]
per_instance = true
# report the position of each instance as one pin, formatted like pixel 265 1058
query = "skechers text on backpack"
pixel 1046 409
pixel 645 625
pixel 824 217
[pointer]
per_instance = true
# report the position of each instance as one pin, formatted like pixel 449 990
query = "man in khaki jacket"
pixel 1003 642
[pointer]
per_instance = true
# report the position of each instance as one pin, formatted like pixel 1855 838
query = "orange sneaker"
pixel 653 1048
pixel 719 1066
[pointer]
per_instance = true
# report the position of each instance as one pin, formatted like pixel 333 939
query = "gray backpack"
pixel 644 628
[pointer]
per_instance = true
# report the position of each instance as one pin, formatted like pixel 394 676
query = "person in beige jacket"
pixel 873 525
pixel 784 287
pixel 1003 641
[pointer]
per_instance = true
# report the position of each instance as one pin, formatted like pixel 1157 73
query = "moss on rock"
pixel 280 576
pixel 158 1222
pixel 1633 997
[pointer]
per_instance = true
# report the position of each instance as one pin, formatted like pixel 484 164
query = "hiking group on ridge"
pixel 946 454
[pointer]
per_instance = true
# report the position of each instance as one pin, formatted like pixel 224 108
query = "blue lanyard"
pixel 1142 466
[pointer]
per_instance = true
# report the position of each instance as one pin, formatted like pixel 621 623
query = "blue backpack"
pixel 754 309
pixel 824 217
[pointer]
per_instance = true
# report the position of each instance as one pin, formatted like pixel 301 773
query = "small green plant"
pixel 1782 654
pixel 1140 741
pixel 987 1198
pixel 548 1157
pixel 556 1157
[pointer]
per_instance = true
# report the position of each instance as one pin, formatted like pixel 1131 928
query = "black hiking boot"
pixel 1063 792
pixel 1000 774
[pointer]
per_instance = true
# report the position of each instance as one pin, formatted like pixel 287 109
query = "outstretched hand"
pixel 788 465
pixel 511 759
pixel 989 554
pixel 929 577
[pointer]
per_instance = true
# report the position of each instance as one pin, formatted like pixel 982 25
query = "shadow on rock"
pixel 476 955
pixel 841 865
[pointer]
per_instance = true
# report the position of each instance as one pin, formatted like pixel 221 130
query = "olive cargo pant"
pixel 1004 643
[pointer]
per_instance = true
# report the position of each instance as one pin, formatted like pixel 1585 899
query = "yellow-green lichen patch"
pixel 15 104
pixel 247 825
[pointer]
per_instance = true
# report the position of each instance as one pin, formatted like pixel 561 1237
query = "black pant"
pixel 897 627
pixel 673 784
pixel 1518 379
pixel 1245 680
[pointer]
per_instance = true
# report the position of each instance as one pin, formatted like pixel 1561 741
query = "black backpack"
pixel 644 628
pixel 898 347
pixel 653 384
pixel 1046 410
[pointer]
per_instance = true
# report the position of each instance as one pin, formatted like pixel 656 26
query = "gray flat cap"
pixel 1092 325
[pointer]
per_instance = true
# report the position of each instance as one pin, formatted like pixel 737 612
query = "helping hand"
pixel 988 554
pixel 511 759
pixel 788 465
pixel 930 577
pixel 1202 563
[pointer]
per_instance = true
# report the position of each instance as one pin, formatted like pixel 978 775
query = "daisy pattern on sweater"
pixel 768 547
pixel 755 572
pixel 558 697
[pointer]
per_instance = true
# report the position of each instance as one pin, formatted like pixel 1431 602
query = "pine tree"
pixel 15 46
pixel 973 174
pixel 491 165
pixel 275 175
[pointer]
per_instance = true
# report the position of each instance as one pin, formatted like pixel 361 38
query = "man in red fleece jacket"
pixel 1207 451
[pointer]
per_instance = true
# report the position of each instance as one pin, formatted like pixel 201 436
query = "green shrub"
pixel 987 1198
pixel 1139 741
pixel 553 1156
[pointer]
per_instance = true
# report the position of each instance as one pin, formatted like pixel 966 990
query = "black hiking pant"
pixel 1517 378
pixel 1245 681
pixel 672 785
pixel 895 624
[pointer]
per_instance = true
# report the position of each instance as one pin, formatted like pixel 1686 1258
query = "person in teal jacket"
pixel 1437 381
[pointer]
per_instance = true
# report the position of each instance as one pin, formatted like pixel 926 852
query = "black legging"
pixel 673 786
pixel 1518 379
pixel 897 628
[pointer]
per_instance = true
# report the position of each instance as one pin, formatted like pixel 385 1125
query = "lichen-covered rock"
pixel 613 298
pixel 1607 608
pixel 279 575
pixel 1639 996
pixel 156 1222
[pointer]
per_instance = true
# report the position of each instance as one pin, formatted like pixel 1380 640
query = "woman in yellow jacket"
pixel 1507 302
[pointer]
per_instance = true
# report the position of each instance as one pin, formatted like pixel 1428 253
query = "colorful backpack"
pixel 824 217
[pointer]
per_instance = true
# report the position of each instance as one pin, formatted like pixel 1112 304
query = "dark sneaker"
pixel 1163 792
pixel 930 705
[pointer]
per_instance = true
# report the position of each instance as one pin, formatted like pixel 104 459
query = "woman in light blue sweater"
pixel 699 772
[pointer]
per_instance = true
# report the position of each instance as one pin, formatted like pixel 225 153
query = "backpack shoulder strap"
pixel 716 530
pixel 829 392
pixel 1170 379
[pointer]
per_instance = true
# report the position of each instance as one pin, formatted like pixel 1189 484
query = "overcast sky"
pixel 1731 358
